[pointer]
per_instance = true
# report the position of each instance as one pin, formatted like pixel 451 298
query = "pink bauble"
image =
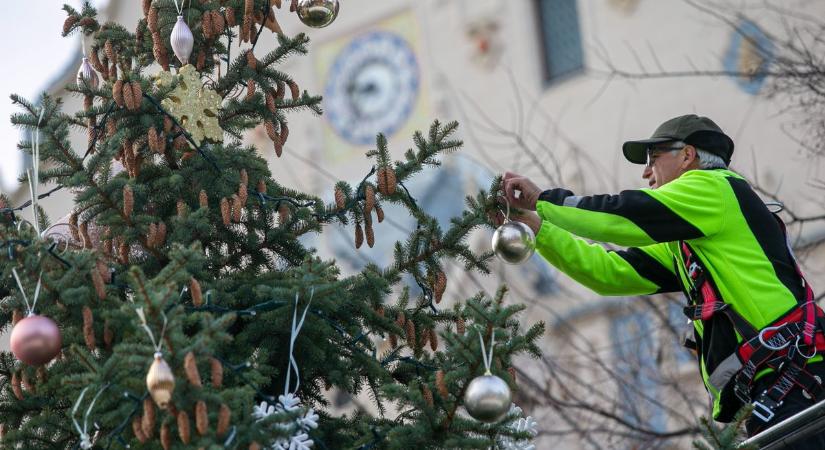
pixel 36 340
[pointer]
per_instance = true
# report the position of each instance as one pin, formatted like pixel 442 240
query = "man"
pixel 699 228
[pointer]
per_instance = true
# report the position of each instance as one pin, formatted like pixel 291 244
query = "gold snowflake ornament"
pixel 195 107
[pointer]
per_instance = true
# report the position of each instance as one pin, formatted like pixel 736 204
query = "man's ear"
pixel 690 156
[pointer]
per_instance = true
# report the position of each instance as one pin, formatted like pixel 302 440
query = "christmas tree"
pixel 178 306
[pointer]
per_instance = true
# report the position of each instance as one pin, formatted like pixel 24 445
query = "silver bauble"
pixel 487 398
pixel 86 75
pixel 514 242
pixel 182 40
pixel 317 13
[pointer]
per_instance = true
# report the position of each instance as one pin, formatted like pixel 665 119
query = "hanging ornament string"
pixel 85 440
pixel 156 344
pixel 34 172
pixel 488 360
pixel 296 328
pixel 29 308
pixel 179 7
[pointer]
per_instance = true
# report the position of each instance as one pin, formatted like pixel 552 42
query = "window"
pixel 561 36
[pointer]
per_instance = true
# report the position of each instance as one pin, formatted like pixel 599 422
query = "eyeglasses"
pixel 653 153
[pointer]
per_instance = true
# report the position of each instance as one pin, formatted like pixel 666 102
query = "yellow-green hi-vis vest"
pixel 718 214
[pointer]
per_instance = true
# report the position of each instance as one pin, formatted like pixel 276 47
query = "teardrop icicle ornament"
pixel 182 41
pixel 86 75
pixel 160 381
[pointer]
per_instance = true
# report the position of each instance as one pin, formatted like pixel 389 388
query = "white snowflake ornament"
pixel 262 411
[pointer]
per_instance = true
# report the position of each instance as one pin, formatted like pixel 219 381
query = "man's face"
pixel 665 163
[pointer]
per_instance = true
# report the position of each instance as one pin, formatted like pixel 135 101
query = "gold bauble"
pixel 160 382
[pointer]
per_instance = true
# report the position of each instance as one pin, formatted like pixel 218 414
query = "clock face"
pixel 372 87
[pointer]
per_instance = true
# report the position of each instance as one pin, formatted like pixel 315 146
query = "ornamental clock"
pixel 372 87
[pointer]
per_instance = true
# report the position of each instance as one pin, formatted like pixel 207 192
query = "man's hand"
pixel 529 191
pixel 531 219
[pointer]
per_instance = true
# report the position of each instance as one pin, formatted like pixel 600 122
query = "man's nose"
pixel 647 173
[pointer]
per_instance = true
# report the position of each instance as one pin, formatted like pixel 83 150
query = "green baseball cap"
pixel 699 132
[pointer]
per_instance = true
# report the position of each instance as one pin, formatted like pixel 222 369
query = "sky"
pixel 35 54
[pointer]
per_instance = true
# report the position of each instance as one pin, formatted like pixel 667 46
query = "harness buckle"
pixel 764 407
pixel 692 269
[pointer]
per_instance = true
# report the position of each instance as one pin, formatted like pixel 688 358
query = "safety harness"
pixel 785 345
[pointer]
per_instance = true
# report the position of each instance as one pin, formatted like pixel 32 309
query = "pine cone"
pixel 102 268
pixel 294 91
pixel 203 200
pixel 96 62
pixel 229 14
pixel 250 90
pixel 152 20
pixel 84 233
pixel 340 199
pixel 201 418
pixel 424 336
pixel 123 253
pixel 183 427
pixel 111 126
pixel 128 97
pixel 69 23
pixel 369 233
pixel 160 239
pixel 460 326
pixel 16 388
pixel 270 103
pixel 137 94
pixel 151 236
pixel 165 437
pixel 147 5
pixel 428 395
pixel 254 446
pixel 433 340
pixel 218 24
pixel 441 385
pixel 167 124
pixel 200 62
pixel 226 213
pixel 283 214
pixel 216 369
pixel 280 92
pixel 109 49
pixel 261 187
pixel 393 341
pixel 410 330
pixel 243 194
pixel 269 126
pixel 159 51
pixel 244 177
pixel 87 22
pixel 237 208
pixel 180 208
pixel 195 292
pixel 369 199
pixel 16 316
pixel 152 139
pixel 206 25
pixel 380 311
pixel 284 133
pixel 128 201
pixel 293 6
pixel 223 420
pixel 88 329
pixel 359 236
pixel 400 320
pixel 440 286
pixel 386 181
pixel 246 28
pixel 148 422
pixel 251 61
pixel 191 369
pixel 113 71
pixel 137 428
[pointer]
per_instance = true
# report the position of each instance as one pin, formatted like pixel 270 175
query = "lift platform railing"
pixel 799 426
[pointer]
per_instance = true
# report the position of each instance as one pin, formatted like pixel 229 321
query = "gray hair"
pixel 707 160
